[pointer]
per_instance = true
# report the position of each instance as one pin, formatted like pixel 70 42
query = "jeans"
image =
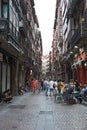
pixel 46 91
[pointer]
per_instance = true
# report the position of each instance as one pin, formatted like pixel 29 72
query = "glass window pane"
pixel 4 10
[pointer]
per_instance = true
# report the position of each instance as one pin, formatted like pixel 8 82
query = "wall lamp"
pixel 76 47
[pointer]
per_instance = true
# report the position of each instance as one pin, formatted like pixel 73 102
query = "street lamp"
pixel 85 64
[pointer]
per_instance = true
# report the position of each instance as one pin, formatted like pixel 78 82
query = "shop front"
pixel 80 68
pixel 5 72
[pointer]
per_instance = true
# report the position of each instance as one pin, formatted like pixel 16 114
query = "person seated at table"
pixel 6 96
pixel 84 89
pixel 77 86
pixel 82 94
pixel 70 87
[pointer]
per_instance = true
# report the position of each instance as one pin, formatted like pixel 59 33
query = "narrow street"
pixel 38 112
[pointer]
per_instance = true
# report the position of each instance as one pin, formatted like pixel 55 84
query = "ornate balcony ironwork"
pixel 23 5
pixel 77 35
pixel 3 28
pixel 71 7
pixel 32 2
pixel 9 33
pixel 23 28
pixel 16 5
pixel 73 4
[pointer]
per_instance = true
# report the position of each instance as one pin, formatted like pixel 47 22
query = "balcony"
pixel 73 4
pixel 23 5
pixel 68 14
pixel 16 5
pixel 22 28
pixel 71 7
pixel 78 35
pixel 32 2
pixel 3 28
pixel 9 34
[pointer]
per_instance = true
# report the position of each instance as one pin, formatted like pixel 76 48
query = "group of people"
pixel 23 90
pixel 31 86
pixel 52 86
pixel 49 85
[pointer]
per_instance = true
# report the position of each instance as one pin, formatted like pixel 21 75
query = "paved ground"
pixel 38 112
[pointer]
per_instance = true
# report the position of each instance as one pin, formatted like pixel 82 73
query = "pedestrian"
pixel 71 87
pixel 42 84
pixel 34 85
pixel 55 87
pixel 51 83
pixel 60 86
pixel 46 86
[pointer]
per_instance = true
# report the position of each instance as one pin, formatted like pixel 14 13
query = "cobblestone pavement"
pixel 38 112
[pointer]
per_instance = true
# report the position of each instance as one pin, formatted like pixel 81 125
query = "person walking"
pixel 46 86
pixel 34 85
pixel 42 84
pixel 51 83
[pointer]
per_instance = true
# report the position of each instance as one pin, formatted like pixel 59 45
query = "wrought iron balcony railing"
pixel 75 37
pixel 22 28
pixel 3 28
pixel 23 5
pixel 73 4
pixel 32 2
pixel 77 34
pixel 9 33
pixel 71 7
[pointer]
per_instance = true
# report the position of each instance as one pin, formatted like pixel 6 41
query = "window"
pixel 4 10
pixel 13 16
pixel 14 20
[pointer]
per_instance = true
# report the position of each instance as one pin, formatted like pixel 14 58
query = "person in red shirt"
pixel 34 85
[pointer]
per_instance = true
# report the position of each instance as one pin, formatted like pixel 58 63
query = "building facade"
pixel 72 54
pixel 17 43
